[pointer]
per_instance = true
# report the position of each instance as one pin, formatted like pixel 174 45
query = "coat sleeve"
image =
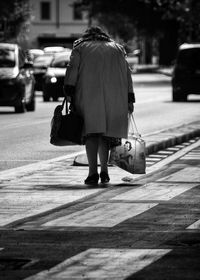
pixel 131 94
pixel 72 73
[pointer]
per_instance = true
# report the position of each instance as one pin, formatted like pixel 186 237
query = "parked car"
pixel 40 66
pixel 186 72
pixel 54 77
pixel 54 49
pixel 34 53
pixel 16 79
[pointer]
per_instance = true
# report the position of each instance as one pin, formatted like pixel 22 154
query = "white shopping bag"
pixel 130 155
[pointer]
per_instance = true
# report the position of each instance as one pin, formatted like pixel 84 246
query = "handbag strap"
pixel 63 104
pixel 134 126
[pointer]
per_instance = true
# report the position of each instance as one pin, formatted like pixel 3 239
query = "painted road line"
pixel 100 263
pixel 153 159
pixel 191 156
pixel 22 170
pixel 174 149
pixel 154 191
pixel 195 225
pixel 165 152
pixel 23 204
pixel 157 156
pixel 101 215
pixel 173 157
pixel 188 174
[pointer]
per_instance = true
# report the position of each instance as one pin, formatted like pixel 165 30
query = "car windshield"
pixel 190 57
pixel 7 57
pixel 60 61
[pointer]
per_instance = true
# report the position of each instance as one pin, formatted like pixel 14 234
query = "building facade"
pixel 55 22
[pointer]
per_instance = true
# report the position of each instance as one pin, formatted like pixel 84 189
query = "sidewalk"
pixel 144 229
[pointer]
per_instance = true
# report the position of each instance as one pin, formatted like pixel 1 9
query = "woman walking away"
pixel 98 81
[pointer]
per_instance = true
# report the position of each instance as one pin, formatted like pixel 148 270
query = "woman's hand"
pixel 130 107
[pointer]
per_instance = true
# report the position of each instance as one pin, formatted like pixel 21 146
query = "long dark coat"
pixel 100 73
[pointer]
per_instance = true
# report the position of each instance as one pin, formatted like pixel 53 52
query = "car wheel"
pixel 20 108
pixel 46 98
pixel 55 98
pixel 31 105
pixel 178 96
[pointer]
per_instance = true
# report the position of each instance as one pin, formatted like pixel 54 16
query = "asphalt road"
pixel 24 138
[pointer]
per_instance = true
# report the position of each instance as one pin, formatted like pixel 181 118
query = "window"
pixel 7 57
pixel 45 9
pixel 77 12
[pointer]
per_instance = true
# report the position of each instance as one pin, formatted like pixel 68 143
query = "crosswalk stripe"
pixel 101 215
pixel 188 174
pixel 165 152
pixel 97 263
pixel 154 191
pixel 153 159
pixel 28 203
pixel 195 225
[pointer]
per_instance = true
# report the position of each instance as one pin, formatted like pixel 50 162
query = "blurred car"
pixel 16 79
pixel 54 77
pixel 40 65
pixel 54 49
pixel 186 72
pixel 33 53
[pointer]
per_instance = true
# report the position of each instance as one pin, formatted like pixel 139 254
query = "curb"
pixel 171 137
pixel 160 141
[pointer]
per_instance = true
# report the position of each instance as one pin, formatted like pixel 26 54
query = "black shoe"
pixel 92 180
pixel 104 177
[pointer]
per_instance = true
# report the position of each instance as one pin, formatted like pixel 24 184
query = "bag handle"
pixel 63 104
pixel 131 121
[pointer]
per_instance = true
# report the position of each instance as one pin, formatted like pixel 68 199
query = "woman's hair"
pixel 91 34
pixel 95 31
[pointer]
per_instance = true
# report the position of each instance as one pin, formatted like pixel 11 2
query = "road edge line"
pixel 22 170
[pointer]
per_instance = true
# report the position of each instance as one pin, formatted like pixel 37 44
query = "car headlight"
pixel 53 80
pixel 50 79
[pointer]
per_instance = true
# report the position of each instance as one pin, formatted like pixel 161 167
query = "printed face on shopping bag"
pixel 127 146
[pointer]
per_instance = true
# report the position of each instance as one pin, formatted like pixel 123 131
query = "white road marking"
pixel 188 174
pixel 23 170
pixel 153 159
pixel 189 156
pixel 20 204
pixel 94 264
pixel 195 225
pixel 172 158
pixel 154 191
pixel 101 215
pixel 156 156
pixel 165 152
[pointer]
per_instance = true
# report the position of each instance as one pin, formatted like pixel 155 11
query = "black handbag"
pixel 65 128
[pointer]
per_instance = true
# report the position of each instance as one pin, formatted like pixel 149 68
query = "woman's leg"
pixel 91 145
pixel 103 154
